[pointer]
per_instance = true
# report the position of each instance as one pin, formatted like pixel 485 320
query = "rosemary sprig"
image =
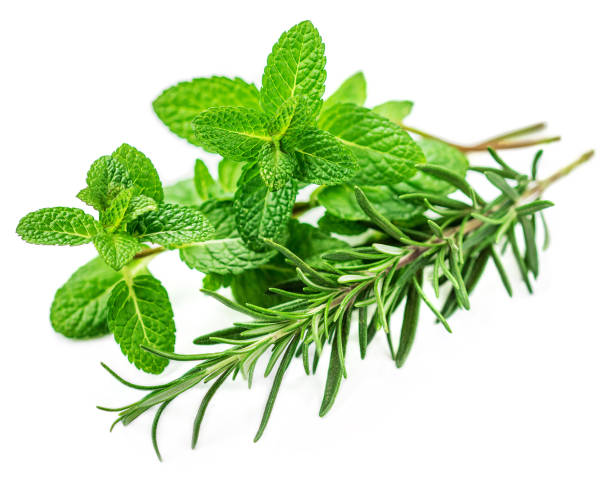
pixel 367 283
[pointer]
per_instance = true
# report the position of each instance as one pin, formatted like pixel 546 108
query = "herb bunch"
pixel 396 212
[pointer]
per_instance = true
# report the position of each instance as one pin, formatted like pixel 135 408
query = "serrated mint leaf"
pixel 202 179
pixel 182 192
pixel 226 252
pixel 395 110
pixel 229 173
pixel 116 249
pixel 296 67
pixel 105 179
pixel 79 309
pixel 260 212
pixel 172 226
pixel 139 313
pixel 275 166
pixel 341 202
pixel 178 105
pixel 113 216
pixel 59 226
pixel 352 91
pixel 384 152
pixel 294 113
pixel 234 132
pixel 440 154
pixel 321 158
pixel 333 224
pixel 141 172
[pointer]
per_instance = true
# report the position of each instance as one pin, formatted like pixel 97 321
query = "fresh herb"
pixel 406 210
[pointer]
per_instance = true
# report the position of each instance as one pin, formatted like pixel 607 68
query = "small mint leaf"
pixel 275 166
pixel 139 313
pixel 113 216
pixel 202 179
pixel 295 67
pixel 229 173
pixel 141 172
pixel 260 212
pixel 172 226
pixel 116 249
pixel 58 226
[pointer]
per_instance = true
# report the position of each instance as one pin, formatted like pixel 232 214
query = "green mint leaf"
pixel 234 132
pixel 260 212
pixel 172 226
pixel 202 179
pixel 79 309
pixel 321 158
pixel 352 91
pixel 308 242
pixel 106 178
pixel 214 282
pixel 139 313
pixel 333 224
pixel 141 172
pixel 275 166
pixel 295 67
pixel 226 252
pixel 113 216
pixel 178 105
pixel 439 154
pixel 229 173
pixel 340 201
pixel 395 110
pixel 182 192
pixel 59 226
pixel 252 286
pixel 116 249
pixel 384 152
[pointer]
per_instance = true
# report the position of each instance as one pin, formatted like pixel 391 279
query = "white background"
pixel 520 391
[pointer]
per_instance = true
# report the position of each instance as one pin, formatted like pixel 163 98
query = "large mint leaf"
pixel 139 313
pixel 352 91
pixel 275 166
pixel 178 105
pixel 226 252
pixel 395 110
pixel 234 132
pixel 440 154
pixel 59 226
pixel 385 153
pixel 141 172
pixel 341 202
pixel 116 249
pixel 296 67
pixel 172 226
pixel 79 309
pixel 321 159
pixel 260 212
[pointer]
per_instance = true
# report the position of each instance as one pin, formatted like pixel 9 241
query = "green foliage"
pixel 385 153
pixel 59 226
pixel 172 226
pixel 395 110
pixel 79 309
pixel 178 105
pixel 140 316
pixel 351 91
pixel 296 67
pixel 260 212
pixel 410 213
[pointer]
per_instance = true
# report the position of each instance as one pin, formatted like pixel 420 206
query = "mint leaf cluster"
pixel 274 141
